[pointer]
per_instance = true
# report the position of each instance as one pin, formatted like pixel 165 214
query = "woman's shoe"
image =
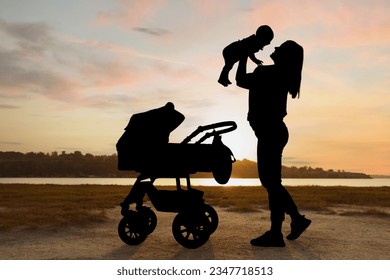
pixel 298 226
pixel 269 239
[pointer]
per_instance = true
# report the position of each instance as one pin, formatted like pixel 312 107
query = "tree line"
pixel 77 164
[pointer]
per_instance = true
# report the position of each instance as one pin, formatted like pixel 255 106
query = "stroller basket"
pixel 166 200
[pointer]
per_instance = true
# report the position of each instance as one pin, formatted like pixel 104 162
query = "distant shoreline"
pixel 209 182
pixel 79 165
pixel 198 177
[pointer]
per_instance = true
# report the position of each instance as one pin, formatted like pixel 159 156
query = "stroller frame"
pixel 196 220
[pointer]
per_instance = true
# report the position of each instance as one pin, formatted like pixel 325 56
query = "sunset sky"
pixel 73 72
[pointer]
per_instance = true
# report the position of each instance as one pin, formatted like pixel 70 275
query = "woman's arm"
pixel 242 78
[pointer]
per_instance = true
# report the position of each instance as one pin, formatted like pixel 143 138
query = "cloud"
pixel 122 50
pixel 28 52
pixel 129 14
pixel 324 23
pixel 152 31
pixel 36 60
pixel 131 77
pixel 30 38
pixel 19 76
pixel 190 23
pixel 6 106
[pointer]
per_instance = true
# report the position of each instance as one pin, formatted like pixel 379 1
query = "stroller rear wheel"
pixel 132 229
pixel 191 229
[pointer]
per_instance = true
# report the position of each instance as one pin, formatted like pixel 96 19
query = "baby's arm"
pixel 254 59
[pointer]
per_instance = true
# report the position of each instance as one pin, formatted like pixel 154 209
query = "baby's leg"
pixel 224 76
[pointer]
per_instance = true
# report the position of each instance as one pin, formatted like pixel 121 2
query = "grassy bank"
pixel 34 206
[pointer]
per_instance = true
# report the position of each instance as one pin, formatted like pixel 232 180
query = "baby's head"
pixel 264 34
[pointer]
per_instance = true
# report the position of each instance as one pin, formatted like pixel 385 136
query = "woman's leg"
pixel 269 159
pixel 269 153
pixel 269 174
pixel 280 200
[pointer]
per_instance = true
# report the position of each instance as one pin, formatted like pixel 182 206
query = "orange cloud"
pixel 326 23
pixel 129 14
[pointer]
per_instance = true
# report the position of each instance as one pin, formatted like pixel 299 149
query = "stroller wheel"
pixel 150 217
pixel 212 217
pixel 132 229
pixel 190 229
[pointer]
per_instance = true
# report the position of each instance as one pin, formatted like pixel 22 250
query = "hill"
pixel 248 169
pixel 76 164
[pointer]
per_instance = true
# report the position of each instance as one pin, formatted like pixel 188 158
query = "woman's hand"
pixel 242 78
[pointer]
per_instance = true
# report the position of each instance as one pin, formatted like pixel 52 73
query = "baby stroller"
pixel 144 147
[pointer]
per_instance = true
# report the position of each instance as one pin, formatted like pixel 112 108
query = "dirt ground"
pixel 330 237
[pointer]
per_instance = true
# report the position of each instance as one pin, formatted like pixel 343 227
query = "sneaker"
pixel 269 239
pixel 298 226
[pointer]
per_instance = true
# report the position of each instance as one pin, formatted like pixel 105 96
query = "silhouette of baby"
pixel 245 47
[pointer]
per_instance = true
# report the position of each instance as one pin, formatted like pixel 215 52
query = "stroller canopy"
pixel 154 126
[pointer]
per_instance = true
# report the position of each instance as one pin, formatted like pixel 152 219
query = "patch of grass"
pixel 306 197
pixel 322 198
pixel 33 206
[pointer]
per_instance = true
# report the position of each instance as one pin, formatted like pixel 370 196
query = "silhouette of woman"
pixel 268 90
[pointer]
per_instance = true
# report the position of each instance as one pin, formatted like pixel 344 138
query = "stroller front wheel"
pixel 150 218
pixel 212 218
pixel 132 229
pixel 191 229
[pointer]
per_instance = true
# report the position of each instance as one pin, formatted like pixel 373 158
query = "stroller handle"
pixel 226 126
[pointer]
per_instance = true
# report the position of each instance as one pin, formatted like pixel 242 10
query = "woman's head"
pixel 289 56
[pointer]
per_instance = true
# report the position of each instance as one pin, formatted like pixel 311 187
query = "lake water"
pixel 376 182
